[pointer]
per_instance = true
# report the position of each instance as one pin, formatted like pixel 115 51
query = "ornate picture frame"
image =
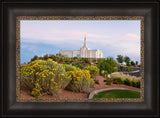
pixel 146 12
pixel 18 18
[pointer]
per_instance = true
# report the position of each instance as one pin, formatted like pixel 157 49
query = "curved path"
pixel 74 95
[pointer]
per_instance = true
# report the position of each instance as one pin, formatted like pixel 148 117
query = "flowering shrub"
pixel 42 76
pixel 93 70
pixel 81 81
pixel 69 67
pixel 126 79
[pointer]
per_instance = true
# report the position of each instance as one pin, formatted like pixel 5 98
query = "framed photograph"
pixel 82 72
pixel 80 58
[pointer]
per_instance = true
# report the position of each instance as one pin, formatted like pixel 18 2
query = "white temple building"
pixel 84 52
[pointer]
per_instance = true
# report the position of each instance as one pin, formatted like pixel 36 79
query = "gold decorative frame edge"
pixel 115 100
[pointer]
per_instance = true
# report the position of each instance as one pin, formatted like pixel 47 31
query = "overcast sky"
pixel 113 37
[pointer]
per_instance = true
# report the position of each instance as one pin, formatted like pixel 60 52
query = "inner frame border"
pixel 18 18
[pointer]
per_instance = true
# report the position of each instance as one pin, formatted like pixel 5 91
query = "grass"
pixel 117 94
pixel 124 76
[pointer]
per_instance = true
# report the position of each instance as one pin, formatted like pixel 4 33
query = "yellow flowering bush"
pixel 94 70
pixel 81 81
pixel 44 77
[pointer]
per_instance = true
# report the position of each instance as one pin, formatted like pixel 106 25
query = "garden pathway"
pixel 74 95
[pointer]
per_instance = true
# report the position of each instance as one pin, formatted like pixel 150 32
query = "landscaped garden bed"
pixel 67 94
pixel 45 78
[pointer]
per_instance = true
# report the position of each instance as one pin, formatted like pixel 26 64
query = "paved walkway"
pixel 74 95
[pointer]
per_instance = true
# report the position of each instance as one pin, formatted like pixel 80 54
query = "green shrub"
pixel 81 81
pixel 86 60
pixel 137 84
pixel 94 61
pixel 108 82
pixel 117 80
pixel 132 63
pixel 133 83
pixel 46 57
pixel 122 68
pixel 75 58
pixel 115 69
pixel 128 69
pixel 109 65
pixel 34 58
pixel 93 70
pixel 127 82
pixel 42 76
pixel 105 74
pixel 69 67
pixel 96 81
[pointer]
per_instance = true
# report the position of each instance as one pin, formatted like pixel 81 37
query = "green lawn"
pixel 117 94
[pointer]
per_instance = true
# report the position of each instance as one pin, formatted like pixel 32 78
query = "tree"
pixel 127 60
pixel 53 57
pixel 86 60
pixel 120 58
pixel 109 65
pixel 40 58
pixel 136 62
pixel 66 59
pixel 46 57
pixel 62 58
pixel 58 55
pixel 34 58
pixel 132 63
pixel 75 58
pixel 94 61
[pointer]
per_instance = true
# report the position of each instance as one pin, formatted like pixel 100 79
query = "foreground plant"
pixel 94 70
pixel 69 67
pixel 109 65
pixel 81 81
pixel 120 78
pixel 44 77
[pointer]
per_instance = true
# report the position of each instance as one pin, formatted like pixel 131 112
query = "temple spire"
pixel 85 44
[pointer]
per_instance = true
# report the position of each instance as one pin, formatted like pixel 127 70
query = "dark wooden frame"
pixel 149 9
